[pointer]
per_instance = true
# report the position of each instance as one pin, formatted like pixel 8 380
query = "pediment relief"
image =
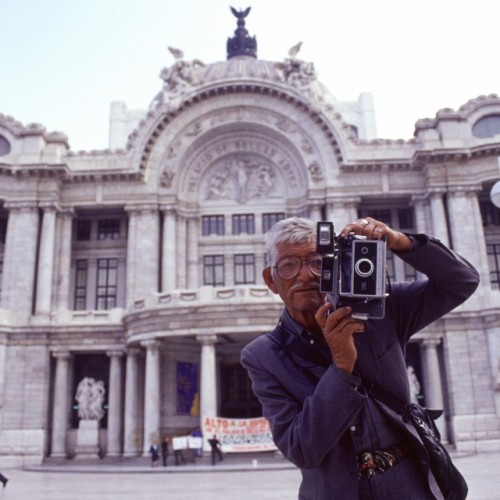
pixel 243 179
pixel 242 168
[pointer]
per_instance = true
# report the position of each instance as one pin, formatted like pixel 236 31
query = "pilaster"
pixel 115 422
pixel 132 440
pixel 151 394
pixel 208 389
pixel 60 410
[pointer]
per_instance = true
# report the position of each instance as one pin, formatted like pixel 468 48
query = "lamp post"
pixel 495 194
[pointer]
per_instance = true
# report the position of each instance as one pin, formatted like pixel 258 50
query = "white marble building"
pixel 140 265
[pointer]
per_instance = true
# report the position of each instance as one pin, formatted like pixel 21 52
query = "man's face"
pixel 300 294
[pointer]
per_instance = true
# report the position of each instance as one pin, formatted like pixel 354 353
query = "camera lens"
pixel 364 267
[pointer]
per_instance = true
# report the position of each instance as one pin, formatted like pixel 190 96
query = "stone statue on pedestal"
pixel 90 397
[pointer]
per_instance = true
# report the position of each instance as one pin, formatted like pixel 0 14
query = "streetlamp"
pixel 495 194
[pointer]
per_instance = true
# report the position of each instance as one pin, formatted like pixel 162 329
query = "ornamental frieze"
pixel 176 147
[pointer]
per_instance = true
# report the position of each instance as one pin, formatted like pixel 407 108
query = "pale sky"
pixel 64 61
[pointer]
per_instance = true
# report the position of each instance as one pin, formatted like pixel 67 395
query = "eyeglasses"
pixel 289 267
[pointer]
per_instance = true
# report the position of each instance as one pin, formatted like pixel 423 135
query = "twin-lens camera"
pixel 353 272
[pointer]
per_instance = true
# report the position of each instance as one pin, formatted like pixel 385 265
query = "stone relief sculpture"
pixel 90 397
pixel 181 75
pixel 241 179
pixel 295 72
pixel 177 79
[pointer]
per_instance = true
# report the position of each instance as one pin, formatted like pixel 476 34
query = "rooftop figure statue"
pixel 241 44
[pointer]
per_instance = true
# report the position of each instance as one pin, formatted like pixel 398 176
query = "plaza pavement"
pixel 250 477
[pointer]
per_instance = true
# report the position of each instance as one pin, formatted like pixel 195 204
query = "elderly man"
pixel 308 373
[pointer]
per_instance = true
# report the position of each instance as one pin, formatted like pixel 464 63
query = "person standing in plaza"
pixel 153 451
pixel 3 480
pixel 164 450
pixel 215 446
pixel 198 434
pixel 314 373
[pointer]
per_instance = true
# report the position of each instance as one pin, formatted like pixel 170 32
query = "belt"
pixel 379 461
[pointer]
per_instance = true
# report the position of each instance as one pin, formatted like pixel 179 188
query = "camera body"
pixel 353 272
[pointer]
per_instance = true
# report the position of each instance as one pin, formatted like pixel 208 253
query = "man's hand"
pixel 376 230
pixel 338 329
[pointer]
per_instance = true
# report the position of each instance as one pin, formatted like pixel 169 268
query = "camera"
pixel 353 272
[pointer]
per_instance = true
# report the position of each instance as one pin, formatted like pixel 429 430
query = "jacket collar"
pixel 300 343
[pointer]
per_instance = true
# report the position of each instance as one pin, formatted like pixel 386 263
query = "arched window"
pixel 488 126
pixel 4 146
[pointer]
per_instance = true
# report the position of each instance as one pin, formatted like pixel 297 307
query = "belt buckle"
pixel 369 463
pixel 366 465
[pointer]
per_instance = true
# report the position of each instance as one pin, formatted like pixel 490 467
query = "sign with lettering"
pixel 240 434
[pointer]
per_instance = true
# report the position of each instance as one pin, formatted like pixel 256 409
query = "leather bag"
pixel 451 482
pixel 449 479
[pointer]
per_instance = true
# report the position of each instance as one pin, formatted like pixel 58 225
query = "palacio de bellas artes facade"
pixel 136 271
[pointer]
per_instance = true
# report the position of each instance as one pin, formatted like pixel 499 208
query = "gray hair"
pixel 294 230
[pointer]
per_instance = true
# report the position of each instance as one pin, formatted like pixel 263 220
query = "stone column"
pixel 315 212
pixel 46 256
pixel 115 426
pixel 143 252
pixel 3 365
pixel 433 388
pixel 151 394
pixel 192 253
pixel 132 256
pixel 169 260
pixel 20 259
pixel 419 204
pixel 181 252
pixel 465 219
pixel 132 433
pixel 439 222
pixel 342 211
pixel 60 409
pixel 208 379
pixel 63 260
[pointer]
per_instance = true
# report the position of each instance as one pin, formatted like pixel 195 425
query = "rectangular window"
pixel 3 230
pixel 243 224
pixel 212 224
pixel 380 215
pixel 81 284
pixel 83 230
pixel 108 229
pixel 489 213
pixel 213 270
pixel 269 220
pixel 493 251
pixel 244 269
pixel 405 219
pixel 107 277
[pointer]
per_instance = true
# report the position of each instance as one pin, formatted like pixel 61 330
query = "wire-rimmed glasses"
pixel 289 267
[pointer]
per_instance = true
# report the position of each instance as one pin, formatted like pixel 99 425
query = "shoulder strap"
pixel 385 397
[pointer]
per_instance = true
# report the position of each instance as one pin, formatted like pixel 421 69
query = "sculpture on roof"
pixel 241 44
pixel 181 75
pixel 296 72
pixel 295 50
